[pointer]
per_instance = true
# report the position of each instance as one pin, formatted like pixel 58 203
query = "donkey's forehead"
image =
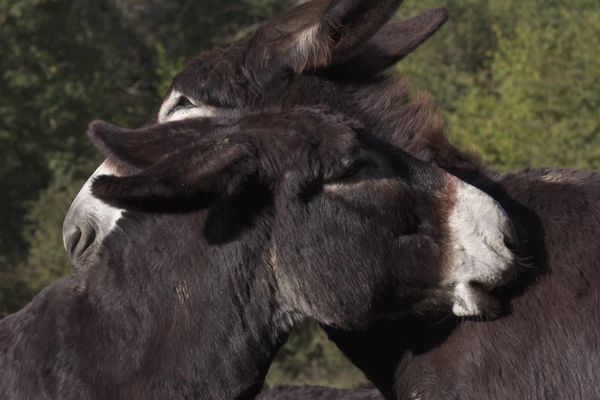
pixel 217 65
pixel 211 84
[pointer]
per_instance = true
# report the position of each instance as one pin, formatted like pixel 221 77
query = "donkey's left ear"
pixel 192 177
pixel 173 163
pixel 317 33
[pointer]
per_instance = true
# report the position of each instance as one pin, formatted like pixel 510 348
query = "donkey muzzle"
pixel 88 221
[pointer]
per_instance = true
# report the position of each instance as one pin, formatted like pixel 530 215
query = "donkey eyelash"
pixel 178 106
pixel 353 170
pixel 182 104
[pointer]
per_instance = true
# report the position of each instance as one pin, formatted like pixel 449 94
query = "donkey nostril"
pixel 87 238
pixel 481 286
pixel 71 239
pixel 78 240
pixel 510 242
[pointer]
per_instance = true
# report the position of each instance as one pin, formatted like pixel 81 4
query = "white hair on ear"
pixel 310 50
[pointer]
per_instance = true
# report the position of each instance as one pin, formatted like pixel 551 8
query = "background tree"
pixel 65 63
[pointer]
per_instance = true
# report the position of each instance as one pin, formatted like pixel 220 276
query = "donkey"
pixel 212 237
pixel 311 56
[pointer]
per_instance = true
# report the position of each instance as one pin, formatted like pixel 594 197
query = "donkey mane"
pixel 414 124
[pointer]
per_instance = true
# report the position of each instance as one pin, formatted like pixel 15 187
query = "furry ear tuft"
pixel 312 48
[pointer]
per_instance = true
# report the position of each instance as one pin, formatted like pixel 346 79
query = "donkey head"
pixel 330 54
pixel 306 57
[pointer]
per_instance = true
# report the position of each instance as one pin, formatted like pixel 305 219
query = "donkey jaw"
pixel 480 259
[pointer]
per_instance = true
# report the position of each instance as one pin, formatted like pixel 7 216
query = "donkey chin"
pixel 480 258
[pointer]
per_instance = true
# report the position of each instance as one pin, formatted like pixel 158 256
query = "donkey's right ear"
pixel 143 147
pixel 317 33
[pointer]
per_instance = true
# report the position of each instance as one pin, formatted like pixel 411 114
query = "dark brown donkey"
pixel 548 346
pixel 227 232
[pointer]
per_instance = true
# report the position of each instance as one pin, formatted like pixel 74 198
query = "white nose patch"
pixel 478 229
pixel 87 209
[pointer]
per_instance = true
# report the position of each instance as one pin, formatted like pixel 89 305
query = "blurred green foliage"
pixel 519 82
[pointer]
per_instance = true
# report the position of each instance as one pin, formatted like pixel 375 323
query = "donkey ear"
pixel 392 43
pixel 191 177
pixel 146 146
pixel 319 32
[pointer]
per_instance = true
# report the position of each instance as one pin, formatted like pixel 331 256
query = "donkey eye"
pixel 353 170
pixel 183 103
pixel 178 106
